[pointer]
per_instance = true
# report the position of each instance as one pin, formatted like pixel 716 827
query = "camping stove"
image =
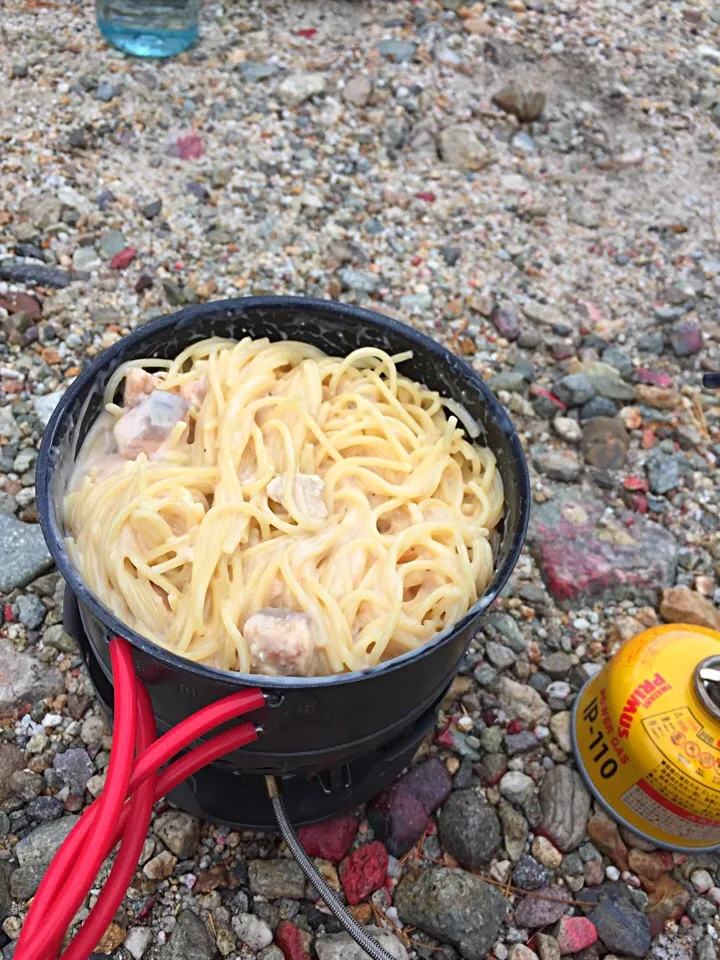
pixel 225 794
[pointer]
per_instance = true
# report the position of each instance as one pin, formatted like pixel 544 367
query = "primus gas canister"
pixel 646 732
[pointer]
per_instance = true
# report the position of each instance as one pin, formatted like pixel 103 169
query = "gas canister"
pixel 646 734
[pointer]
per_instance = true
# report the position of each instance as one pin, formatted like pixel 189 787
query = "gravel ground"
pixel 535 185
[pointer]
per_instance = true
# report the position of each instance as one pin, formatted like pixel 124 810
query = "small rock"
pixel 179 832
pixel 597 407
pixel 605 443
pixel 364 871
pixel 518 951
pixel 585 556
pixel 106 92
pixel 357 90
pixel 93 730
pixel 450 255
pixel 521 702
pixel 621 927
pixel 542 313
pixel 357 280
pixel 574 389
pixel 567 429
pixel 517 787
pixel 190 940
pixel 112 243
pixel 330 839
pixel 542 910
pixel 575 934
pixel 396 50
pixel 44 405
pixel 299 87
pixel 506 322
pixel 686 339
pixel 648 865
pixel 701 880
pixel 562 465
pixel 547 946
pixel 499 655
pixel 683 605
pixel 137 942
pixel 23 678
pixel 399 815
pixel 620 360
pixel 565 806
pixel 515 830
pixel 461 148
pixel 26 785
pixel 150 211
pixel 33 274
pixel 41 845
pixel 25 880
pixel 663 473
pixel 469 829
pixel 75 769
pixel 254 72
pixel 341 946
pixel 608 383
pixel 160 867
pixel 113 937
pixel 560 729
pixel 277 878
pixel 44 809
pixel 530 875
pixel 85 260
pixel 123 259
pixel 605 835
pixel 509 381
pixel 12 760
pixel 453 906
pixel 31 611
pixel 252 931
pixel 525 104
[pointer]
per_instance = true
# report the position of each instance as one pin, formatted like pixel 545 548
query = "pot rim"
pixel 55 539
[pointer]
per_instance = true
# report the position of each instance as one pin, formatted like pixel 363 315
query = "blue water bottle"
pixel 149 28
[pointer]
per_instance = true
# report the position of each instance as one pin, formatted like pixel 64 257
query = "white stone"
pixel 137 941
pixel 612 873
pixel 252 930
pixel 299 87
pixel 701 880
pixel 517 787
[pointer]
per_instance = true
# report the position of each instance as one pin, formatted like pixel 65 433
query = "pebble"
pixel 179 832
pixel 574 389
pixel 299 87
pixel 160 867
pixel 575 934
pixel 190 938
pixel 546 853
pixel 605 443
pixel 568 429
pixel 529 874
pixel 33 274
pixel 546 907
pixel 31 611
pixel 40 845
pixel 701 880
pixel 251 930
pixel 523 703
pixel 397 50
pixel 462 149
pixel 517 787
pixel 330 839
pixel 565 805
pixel 357 90
pixel 75 769
pixel 469 829
pixel 341 946
pixel 453 906
pixel 364 871
pixel 686 339
pixel 621 927
pixel 399 815
pixel 24 678
pixel 137 942
pixel 562 465
pixel 25 554
pixel 277 878
pixel 514 829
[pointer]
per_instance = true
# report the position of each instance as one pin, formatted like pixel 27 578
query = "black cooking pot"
pixel 314 723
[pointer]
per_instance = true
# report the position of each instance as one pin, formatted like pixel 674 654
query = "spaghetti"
pixel 263 507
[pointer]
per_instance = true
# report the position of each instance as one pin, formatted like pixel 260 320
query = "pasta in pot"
pixel 263 507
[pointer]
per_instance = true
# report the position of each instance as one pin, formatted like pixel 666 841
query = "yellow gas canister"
pixel 646 733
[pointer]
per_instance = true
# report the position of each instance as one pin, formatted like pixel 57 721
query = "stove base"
pixel 223 794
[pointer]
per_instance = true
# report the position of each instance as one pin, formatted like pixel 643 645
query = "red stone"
pixel 639 503
pixel 537 391
pixel 515 726
pixel 190 147
pixel 575 934
pixel 21 303
pixel 400 815
pixel 583 558
pixel 307 32
pixel 364 872
pixel 123 259
pixel 427 195
pixel 331 839
pixel 653 377
pixel 636 483
pixel 8 613
pixel 291 941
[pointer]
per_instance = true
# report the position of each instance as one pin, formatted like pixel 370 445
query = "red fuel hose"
pixel 124 809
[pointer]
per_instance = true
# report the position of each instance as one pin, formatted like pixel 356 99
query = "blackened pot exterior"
pixel 310 723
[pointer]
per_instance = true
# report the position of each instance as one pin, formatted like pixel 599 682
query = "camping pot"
pixel 310 724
